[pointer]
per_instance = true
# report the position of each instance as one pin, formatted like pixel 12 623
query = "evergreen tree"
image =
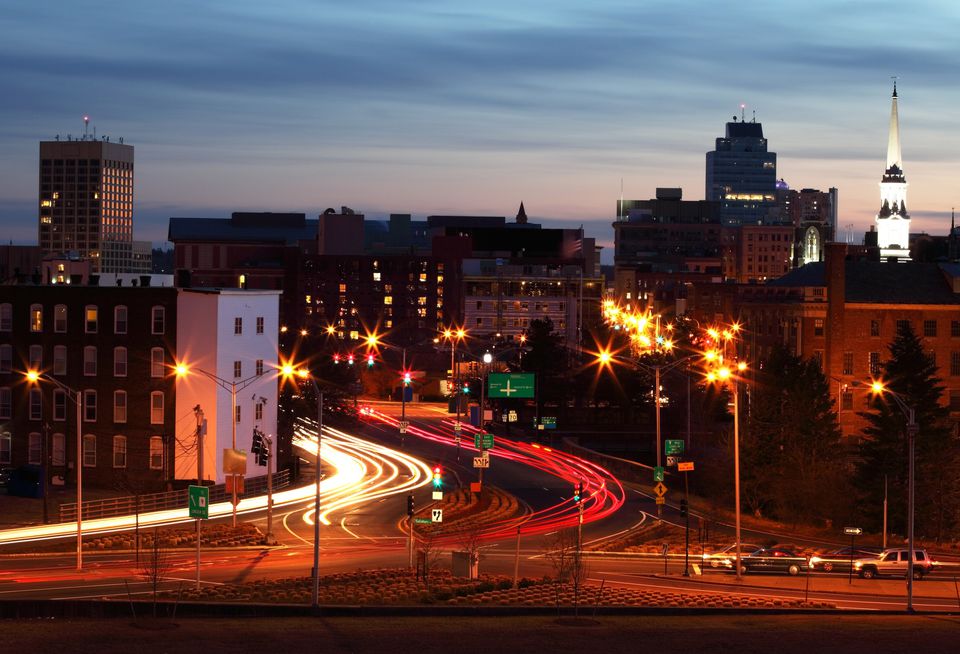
pixel 790 450
pixel 546 357
pixel 911 374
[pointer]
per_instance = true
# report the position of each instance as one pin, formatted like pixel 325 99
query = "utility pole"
pixel 198 412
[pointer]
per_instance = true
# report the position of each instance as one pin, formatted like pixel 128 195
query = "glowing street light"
pixel 878 388
pixel 34 377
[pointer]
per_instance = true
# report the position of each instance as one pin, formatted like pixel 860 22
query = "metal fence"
pixel 177 499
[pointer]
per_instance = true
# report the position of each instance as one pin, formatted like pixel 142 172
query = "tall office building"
pixel 893 221
pixel 86 201
pixel 742 175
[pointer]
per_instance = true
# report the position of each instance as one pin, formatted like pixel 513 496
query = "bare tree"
pixel 563 553
pixel 155 565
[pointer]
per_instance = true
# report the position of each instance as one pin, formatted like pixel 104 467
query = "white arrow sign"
pixel 481 462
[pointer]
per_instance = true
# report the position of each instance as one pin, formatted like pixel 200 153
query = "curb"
pixel 239 548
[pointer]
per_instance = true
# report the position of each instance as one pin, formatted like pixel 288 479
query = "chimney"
pixel 835 328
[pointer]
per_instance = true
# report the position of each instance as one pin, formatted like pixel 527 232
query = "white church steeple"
pixel 893 221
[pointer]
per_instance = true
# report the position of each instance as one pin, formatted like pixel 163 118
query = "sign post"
pixel 852 532
pixel 198 505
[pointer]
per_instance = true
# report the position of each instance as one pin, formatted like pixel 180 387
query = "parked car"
pixel 724 558
pixel 894 562
pixel 839 559
pixel 773 560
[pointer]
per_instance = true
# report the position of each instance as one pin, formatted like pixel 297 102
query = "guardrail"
pixel 129 505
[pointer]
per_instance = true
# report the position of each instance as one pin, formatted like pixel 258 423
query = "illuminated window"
pixel 354 335
pixel 343 288
pixel 388 299
pixel 90 314
pixel 389 324
pixel 36 318
pixel 422 300
pixel 873 362
pixel 376 276
pixel 818 327
pixel 423 277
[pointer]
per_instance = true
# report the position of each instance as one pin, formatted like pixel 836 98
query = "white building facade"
pixel 227 339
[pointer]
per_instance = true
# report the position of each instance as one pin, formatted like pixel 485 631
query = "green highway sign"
pixel 673 447
pixel 422 521
pixel 549 422
pixel 483 441
pixel 658 473
pixel 199 502
pixel 510 385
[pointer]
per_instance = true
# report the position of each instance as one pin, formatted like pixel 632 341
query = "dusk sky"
pixel 423 106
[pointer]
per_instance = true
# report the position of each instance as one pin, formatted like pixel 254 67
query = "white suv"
pixel 894 562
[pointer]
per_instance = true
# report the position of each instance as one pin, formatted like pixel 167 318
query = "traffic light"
pixel 336 358
pixel 410 505
pixel 370 360
pixel 466 388
pixel 406 379
pixel 350 359
pixel 578 492
pixel 683 508
pixel 437 477
pixel 260 448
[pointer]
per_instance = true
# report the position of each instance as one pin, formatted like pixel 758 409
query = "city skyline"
pixel 435 111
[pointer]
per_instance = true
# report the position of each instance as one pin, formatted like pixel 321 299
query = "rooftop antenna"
pixel 894 78
pixel 754 115
pixel 86 126
pixel 952 223
pixel 743 108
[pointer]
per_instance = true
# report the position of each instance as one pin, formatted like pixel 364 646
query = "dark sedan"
pixel 773 560
pixel 838 560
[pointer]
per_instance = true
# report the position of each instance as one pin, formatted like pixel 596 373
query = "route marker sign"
pixel 483 441
pixel 481 462
pixel 457 428
pixel 852 531
pixel 403 426
pixel 685 466
pixel 660 500
pixel 658 473
pixel 672 446
pixel 438 495
pixel 510 385
pixel 660 489
pixel 199 503
pixel 436 515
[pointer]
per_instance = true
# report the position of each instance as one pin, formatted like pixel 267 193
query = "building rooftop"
pixel 244 229
pixel 875 282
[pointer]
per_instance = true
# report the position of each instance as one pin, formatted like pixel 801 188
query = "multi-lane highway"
pixel 367 475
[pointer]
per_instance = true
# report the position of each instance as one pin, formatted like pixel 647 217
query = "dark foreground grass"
pixel 456 635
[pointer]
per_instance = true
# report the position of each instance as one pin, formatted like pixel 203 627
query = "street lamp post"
pixel 182 369
pixel 34 376
pixel 912 430
pixel 454 335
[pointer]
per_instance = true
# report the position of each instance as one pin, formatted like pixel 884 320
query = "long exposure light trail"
pixel 357 471
pixel 605 493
